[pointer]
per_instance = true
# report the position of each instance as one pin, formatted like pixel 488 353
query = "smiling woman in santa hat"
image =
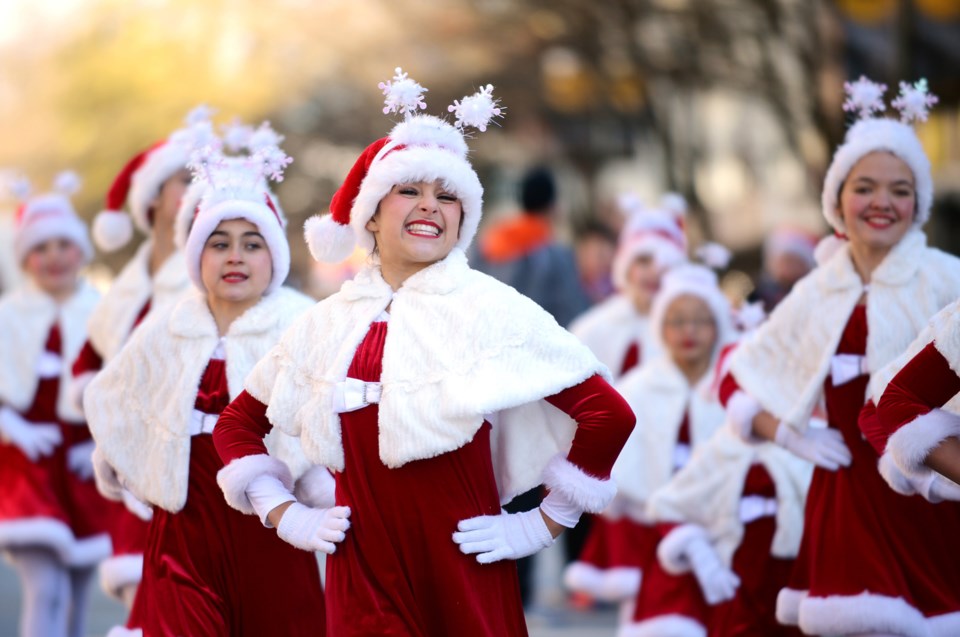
pixel 151 185
pixel 51 517
pixel 208 569
pixel 435 394
pixel 871 562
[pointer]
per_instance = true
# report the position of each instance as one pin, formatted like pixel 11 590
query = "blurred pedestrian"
pixel 594 246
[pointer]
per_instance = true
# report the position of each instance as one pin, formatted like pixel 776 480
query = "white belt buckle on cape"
pixel 352 394
pixel 754 507
pixel 846 367
pixel 202 423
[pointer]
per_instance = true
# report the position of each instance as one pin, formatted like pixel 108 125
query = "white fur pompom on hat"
pixel 881 134
pixel 422 148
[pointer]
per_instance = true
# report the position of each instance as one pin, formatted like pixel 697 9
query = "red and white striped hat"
pixel 48 216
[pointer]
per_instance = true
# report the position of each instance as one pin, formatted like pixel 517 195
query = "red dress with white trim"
pixel 398 572
pixel 209 569
pixel 44 502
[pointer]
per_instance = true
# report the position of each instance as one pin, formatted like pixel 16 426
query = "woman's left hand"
pixel 507 536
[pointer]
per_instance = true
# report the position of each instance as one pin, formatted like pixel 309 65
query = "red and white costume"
pixel 207 569
pixel 747 501
pixel 479 401
pixel 44 502
pixel 868 561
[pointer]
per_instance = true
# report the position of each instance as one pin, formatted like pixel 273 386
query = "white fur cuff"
pixel 568 480
pixel 788 606
pixel 316 488
pixel 863 613
pixel 664 626
pixel 912 443
pixel 236 476
pixel 741 410
pixel 672 549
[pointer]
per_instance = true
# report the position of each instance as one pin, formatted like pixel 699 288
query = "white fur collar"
pixel 26 317
pixel 140 404
pixel 707 493
pixel 660 396
pixel 784 363
pixel 113 319
pixel 461 347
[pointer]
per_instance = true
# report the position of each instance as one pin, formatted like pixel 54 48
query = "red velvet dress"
pixel 44 502
pixel 751 613
pixel 862 537
pixel 210 570
pixel 398 572
pixel 127 532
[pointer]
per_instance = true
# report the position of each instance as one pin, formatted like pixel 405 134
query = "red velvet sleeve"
pixel 926 382
pixel 241 428
pixel 604 422
pixel 88 360
pixel 728 387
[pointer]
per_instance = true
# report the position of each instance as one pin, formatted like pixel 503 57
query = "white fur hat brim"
pixel 665 253
pixel 50 217
pixel 872 135
pixel 679 283
pixel 259 215
pixel 161 164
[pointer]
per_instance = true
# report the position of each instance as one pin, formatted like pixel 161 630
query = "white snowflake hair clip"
pixel 914 101
pixel 477 110
pixel 714 255
pixel 402 94
pixel 864 98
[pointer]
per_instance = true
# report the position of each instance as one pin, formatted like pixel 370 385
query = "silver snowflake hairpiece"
pixel 402 94
pixel 477 110
pixel 864 98
pixel 914 102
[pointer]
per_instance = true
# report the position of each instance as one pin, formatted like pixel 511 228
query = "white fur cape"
pixel 112 320
pixel 707 492
pixel 26 316
pixel 139 406
pixel 660 396
pixel 461 347
pixel 610 328
pixel 784 363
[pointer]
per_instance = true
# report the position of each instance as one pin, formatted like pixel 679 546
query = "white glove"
pixel 136 506
pixel 823 447
pixel 507 536
pixel 936 488
pixel 314 529
pixel 34 440
pixel 80 459
pixel 108 483
pixel 718 583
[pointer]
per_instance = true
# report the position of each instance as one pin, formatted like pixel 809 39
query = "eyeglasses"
pixel 698 322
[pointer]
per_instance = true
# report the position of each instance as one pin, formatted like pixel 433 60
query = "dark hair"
pixel 538 191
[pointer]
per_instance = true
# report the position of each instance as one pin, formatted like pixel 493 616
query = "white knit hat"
pixel 421 148
pixel 49 216
pixel 658 232
pixel 235 187
pixel 871 134
pixel 140 180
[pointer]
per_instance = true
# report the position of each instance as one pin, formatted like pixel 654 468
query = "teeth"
pixel 423 228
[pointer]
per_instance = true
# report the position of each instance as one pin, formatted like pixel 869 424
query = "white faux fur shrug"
pixel 611 327
pixel 26 316
pixel 784 363
pixel 707 492
pixel 112 319
pixel 139 406
pixel 660 396
pixel 461 347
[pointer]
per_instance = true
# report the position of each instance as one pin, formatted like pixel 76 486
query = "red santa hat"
pixel 235 187
pixel 421 148
pixel 657 232
pixel 871 134
pixel 140 180
pixel 49 216
pixel 699 281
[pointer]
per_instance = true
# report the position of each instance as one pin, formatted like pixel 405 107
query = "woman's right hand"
pixel 822 446
pixel 311 529
pixel 34 440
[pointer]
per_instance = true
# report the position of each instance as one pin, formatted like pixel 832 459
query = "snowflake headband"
pixel 865 100
pixel 403 95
